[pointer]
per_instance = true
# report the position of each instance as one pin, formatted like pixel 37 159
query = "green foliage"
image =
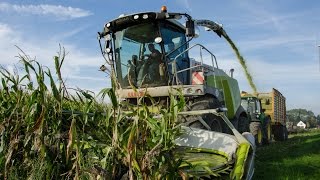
pixel 48 133
pixel 297 158
pixel 308 117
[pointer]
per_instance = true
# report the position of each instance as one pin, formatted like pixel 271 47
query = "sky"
pixel 278 39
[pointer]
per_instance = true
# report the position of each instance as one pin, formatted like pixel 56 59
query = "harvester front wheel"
pixel 214 122
pixel 243 124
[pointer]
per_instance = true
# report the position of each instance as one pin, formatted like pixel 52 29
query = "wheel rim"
pixel 259 136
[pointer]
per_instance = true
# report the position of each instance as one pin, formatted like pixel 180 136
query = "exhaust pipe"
pixel 231 72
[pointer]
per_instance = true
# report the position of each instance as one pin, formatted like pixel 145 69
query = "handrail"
pixel 174 62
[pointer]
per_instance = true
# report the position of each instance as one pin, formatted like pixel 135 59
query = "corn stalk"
pixel 49 133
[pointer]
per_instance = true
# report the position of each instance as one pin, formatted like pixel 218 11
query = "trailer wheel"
pixel 281 133
pixel 269 133
pixel 214 122
pixel 286 132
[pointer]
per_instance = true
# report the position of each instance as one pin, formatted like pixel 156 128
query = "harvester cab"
pixel 149 53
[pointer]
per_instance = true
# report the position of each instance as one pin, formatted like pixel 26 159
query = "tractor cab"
pixel 252 105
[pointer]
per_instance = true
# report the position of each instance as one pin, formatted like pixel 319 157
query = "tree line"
pixel 306 116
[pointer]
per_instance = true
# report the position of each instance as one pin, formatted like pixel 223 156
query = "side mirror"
pixel 190 30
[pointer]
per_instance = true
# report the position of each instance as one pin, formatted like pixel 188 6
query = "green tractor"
pixel 274 106
pixel 150 55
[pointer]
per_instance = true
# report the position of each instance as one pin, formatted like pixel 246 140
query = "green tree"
pixel 318 119
pixel 307 116
pixel 312 122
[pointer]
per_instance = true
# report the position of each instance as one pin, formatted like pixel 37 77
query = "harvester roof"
pixel 124 21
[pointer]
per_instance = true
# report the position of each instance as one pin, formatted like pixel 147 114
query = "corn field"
pixel 48 132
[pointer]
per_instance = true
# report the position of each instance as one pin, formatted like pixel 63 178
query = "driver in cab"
pixel 154 64
pixel 155 54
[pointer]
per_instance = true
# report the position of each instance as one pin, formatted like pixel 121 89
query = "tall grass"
pixel 47 132
pixel 296 158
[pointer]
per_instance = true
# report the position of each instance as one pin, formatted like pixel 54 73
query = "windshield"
pixel 138 57
pixel 252 106
pixel 141 62
pixel 244 104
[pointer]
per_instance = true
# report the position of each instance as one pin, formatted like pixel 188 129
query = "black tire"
pixel 268 130
pixel 255 129
pixel 280 133
pixel 197 124
pixel 243 124
pixel 276 133
pixel 213 121
pixel 266 133
pixel 286 133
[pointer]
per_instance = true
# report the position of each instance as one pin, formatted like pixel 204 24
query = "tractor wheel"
pixel 266 138
pixel 213 121
pixel 259 138
pixel 243 124
pixel 255 129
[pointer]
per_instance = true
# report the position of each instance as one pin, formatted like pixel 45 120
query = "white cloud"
pixel 260 14
pixel 80 68
pixel 8 38
pixel 64 35
pixel 5 30
pixel 61 12
pixel 276 40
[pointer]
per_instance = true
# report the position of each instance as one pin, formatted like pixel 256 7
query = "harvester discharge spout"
pixel 217 28
pixel 212 26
